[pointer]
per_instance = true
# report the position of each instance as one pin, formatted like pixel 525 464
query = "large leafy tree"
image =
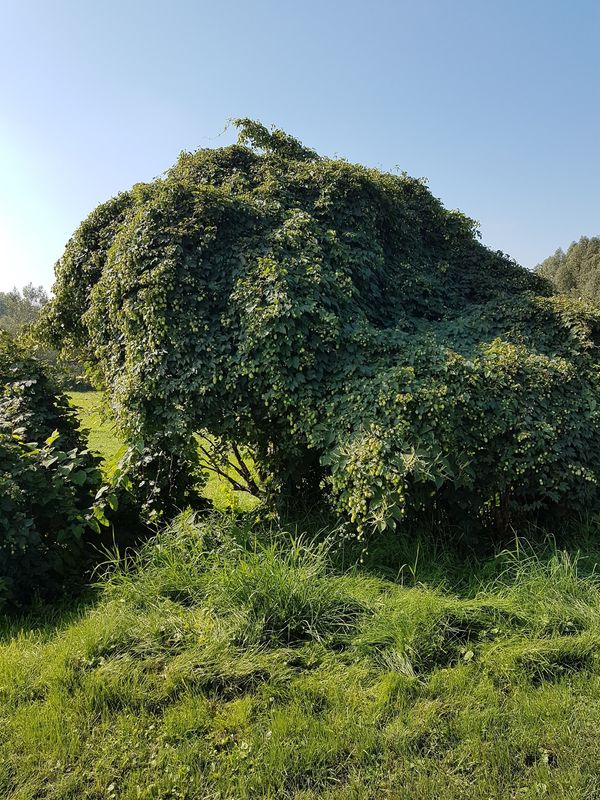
pixel 576 272
pixel 340 322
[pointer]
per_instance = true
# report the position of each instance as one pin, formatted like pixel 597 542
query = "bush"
pixel 345 327
pixel 48 483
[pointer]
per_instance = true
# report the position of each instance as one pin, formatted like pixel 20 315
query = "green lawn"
pixel 103 436
pixel 232 663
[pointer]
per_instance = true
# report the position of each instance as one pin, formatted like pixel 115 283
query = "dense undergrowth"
pixel 231 661
pixel 50 497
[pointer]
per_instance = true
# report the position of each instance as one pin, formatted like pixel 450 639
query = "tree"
pixel 576 272
pixel 340 323
pixel 20 308
pixel 19 311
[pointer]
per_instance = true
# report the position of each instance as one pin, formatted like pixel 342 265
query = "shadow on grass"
pixel 451 558
pixel 46 620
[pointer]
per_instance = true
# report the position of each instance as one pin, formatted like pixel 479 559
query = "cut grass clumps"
pixel 225 661
pixel 280 593
pixel 543 659
pixel 277 597
pixel 419 630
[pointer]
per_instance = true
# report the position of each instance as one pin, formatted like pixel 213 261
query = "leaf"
pixel 94 525
pixel 100 516
pixel 52 438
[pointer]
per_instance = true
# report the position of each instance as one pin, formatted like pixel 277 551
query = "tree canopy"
pixel 340 322
pixel 576 272
pixel 20 308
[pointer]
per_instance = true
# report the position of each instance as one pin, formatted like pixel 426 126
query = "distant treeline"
pixel 19 308
pixel 576 272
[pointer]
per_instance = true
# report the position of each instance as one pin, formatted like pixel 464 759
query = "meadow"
pixel 231 658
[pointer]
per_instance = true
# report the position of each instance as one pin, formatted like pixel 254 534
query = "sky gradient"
pixel 495 103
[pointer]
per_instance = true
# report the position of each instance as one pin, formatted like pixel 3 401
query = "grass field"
pixel 226 662
pixel 103 436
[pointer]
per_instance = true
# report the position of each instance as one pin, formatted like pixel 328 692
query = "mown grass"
pixel 104 439
pixel 226 661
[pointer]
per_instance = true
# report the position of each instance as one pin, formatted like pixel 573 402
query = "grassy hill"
pixel 230 661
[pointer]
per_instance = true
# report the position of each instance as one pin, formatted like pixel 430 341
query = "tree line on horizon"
pixel 575 272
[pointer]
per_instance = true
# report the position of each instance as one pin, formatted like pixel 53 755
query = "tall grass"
pixel 227 661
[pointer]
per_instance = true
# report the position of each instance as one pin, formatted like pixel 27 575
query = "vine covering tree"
pixel 342 324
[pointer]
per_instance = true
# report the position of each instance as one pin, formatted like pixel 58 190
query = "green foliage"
pixel 48 482
pixel 18 309
pixel 19 312
pixel 181 683
pixel 576 272
pixel 341 325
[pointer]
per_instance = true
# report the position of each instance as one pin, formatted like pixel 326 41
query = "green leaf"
pixel 52 438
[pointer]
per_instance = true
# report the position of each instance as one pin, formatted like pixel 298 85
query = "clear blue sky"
pixel 496 103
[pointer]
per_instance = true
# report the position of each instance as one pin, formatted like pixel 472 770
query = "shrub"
pixel 48 482
pixel 343 325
